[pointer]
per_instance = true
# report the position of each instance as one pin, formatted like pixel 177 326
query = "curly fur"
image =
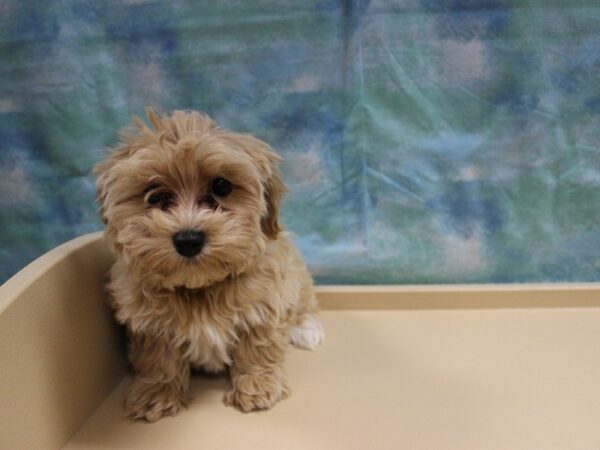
pixel 239 302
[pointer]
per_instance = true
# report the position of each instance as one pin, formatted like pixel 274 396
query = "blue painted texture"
pixel 424 141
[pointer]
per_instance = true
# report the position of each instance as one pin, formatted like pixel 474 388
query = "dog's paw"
pixel 150 402
pixel 257 391
pixel 309 334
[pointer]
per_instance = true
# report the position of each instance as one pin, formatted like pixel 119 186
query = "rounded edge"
pixel 19 282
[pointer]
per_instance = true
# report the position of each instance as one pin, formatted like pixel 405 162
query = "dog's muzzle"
pixel 188 243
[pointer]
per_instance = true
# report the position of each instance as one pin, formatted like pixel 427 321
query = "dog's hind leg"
pixel 309 332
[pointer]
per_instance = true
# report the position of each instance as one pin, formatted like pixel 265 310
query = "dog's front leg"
pixel 258 378
pixel 161 382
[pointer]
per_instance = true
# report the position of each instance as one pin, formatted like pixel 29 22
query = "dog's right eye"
pixel 161 199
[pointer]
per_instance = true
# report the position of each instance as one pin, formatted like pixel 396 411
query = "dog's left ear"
pixel 274 190
pixel 267 161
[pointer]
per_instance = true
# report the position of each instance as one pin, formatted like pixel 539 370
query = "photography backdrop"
pixel 425 141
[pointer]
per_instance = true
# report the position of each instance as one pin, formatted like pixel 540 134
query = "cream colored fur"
pixel 236 305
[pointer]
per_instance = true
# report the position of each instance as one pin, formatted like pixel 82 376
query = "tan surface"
pixel 460 296
pixel 59 353
pixel 449 368
pixel 501 379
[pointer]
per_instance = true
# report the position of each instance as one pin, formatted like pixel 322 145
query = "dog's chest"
pixel 208 343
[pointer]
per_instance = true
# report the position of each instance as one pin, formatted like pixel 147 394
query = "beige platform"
pixel 462 367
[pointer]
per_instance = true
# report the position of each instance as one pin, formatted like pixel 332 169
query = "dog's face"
pixel 186 203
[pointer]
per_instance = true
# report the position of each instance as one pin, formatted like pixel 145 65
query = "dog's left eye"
pixel 221 187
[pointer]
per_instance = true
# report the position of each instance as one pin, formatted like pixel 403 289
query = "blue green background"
pixel 425 141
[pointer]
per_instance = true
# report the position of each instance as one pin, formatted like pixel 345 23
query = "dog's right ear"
pixel 103 182
pixel 129 142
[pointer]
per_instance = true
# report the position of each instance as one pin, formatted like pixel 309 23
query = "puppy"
pixel 204 276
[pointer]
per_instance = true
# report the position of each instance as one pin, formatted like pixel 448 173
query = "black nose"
pixel 188 242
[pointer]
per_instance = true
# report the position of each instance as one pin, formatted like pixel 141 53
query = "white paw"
pixel 309 334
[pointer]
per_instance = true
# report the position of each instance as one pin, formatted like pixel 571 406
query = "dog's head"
pixel 186 203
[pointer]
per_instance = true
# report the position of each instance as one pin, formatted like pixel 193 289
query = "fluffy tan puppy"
pixel 204 276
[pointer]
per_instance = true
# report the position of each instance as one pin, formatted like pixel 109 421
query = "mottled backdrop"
pixel 424 141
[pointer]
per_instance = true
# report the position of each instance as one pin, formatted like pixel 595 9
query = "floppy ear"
pixel 274 190
pixel 103 171
pixel 131 138
pixel 266 160
pixel 103 183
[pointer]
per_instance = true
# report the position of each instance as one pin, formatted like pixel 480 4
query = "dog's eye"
pixel 161 199
pixel 221 187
